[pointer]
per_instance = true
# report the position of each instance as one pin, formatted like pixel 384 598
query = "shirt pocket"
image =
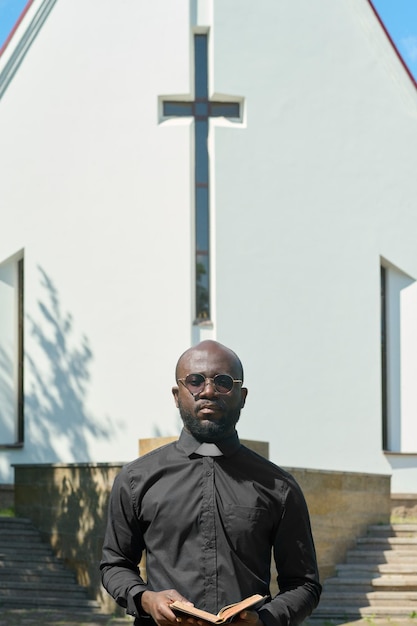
pixel 247 525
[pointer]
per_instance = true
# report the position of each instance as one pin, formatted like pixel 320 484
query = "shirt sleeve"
pixel 122 548
pixel 295 559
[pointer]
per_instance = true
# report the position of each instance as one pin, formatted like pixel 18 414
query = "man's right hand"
pixel 156 604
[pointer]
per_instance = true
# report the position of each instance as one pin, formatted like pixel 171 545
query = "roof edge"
pixel 16 26
pixel 390 39
pixel 29 23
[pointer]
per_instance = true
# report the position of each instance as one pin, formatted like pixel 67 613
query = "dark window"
pixel 11 353
pixel 178 109
pixel 20 351
pixel 384 373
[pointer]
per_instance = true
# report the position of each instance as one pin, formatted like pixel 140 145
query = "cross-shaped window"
pixel 201 108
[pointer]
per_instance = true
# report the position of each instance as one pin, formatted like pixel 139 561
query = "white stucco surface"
pixel 309 191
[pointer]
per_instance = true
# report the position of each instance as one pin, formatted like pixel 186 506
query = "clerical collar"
pixel 208 449
pixel 227 446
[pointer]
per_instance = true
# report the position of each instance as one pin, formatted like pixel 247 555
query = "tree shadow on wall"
pixel 57 370
pixel 79 525
pixel 67 503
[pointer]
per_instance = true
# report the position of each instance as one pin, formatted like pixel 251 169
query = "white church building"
pixel 228 169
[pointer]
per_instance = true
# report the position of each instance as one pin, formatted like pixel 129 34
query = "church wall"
pixel 308 193
pixel 315 189
pixel 98 196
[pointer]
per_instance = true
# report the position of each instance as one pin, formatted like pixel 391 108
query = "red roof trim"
pixel 403 63
pixel 16 26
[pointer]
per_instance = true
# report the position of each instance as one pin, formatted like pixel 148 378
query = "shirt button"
pixel 208 473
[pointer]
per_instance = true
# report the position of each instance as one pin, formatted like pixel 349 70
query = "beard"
pixel 208 430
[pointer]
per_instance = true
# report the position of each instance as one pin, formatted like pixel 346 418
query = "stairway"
pixel 31 576
pixel 379 578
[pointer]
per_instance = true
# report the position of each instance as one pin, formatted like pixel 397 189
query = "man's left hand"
pixel 248 618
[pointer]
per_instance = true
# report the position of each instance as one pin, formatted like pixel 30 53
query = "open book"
pixel 226 614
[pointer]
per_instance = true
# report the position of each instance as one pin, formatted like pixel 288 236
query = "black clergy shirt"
pixel 208 525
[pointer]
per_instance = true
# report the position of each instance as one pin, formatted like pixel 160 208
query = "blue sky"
pixel 399 17
pixel 9 14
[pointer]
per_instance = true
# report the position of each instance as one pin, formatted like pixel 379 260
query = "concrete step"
pixel 374 599
pixel 31 560
pixel 387 543
pixel 10 588
pixel 346 613
pixel 360 569
pixel 393 530
pixel 381 556
pixel 30 574
pixel 36 602
pixel 393 582
pixel 29 546
pixel 26 533
pixel 14 522
pixel 379 578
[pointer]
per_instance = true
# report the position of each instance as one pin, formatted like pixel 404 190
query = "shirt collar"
pixel 228 446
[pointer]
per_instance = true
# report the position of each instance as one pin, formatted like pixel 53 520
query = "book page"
pixel 191 610
pixel 233 609
pixel 225 614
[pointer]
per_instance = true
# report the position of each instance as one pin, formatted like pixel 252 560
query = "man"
pixel 208 511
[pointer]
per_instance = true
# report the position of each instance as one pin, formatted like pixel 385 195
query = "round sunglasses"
pixel 196 383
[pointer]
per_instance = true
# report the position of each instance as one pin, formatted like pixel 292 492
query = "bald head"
pixel 208 410
pixel 211 350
